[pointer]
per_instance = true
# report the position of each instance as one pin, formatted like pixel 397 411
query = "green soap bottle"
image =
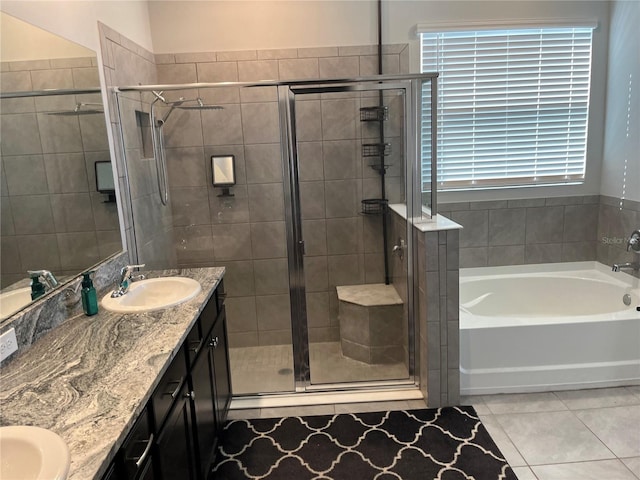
pixel 88 294
pixel 37 288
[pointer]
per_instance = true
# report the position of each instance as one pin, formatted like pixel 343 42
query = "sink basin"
pixel 32 453
pixel 153 294
pixel 13 301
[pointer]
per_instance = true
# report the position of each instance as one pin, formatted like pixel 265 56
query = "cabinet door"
pixel 175 454
pixel 221 374
pixel 203 413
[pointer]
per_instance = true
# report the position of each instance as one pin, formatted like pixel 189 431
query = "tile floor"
pixel 571 435
pixel 270 368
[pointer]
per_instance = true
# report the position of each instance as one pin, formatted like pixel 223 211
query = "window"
pixel 513 105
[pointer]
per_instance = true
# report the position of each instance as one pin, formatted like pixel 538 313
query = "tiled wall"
pixel 438 317
pixel 616 221
pixel 515 232
pixel 246 233
pixel 52 216
pixel 126 63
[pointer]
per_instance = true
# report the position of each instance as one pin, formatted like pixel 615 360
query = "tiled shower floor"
pixel 270 368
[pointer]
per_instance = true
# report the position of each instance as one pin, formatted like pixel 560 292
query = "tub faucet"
pixel 126 278
pixel 625 266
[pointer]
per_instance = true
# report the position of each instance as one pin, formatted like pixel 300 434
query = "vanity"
pixel 134 396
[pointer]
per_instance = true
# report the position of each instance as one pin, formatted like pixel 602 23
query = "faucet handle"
pixel 130 268
pixel 46 275
pixel 634 242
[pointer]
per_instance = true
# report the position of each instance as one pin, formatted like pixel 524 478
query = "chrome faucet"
pixel 48 277
pixel 633 245
pixel 126 278
pixel 625 266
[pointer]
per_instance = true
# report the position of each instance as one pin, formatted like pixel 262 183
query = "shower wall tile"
pixel 580 223
pixel 59 134
pixel 177 73
pixel 72 212
pixel 39 250
pixel 238 278
pixel 263 163
pixel 237 56
pixel 341 159
pixel 476 227
pixel 257 70
pixel 32 214
pixel 308 120
pixel 310 161
pixel 317 309
pixel 278 53
pixel 233 242
pixel 186 167
pixel 339 67
pixel 193 244
pixel 345 269
pixel 342 198
pixel 25 175
pixel 506 226
pixel 274 312
pixel 21 135
pixel 260 122
pixel 339 119
pixel 505 255
pixel 243 311
pixel 344 235
pixel 222 127
pixel 543 253
pixel 316 274
pixel 312 200
pixel 300 68
pixel 266 202
pixel 578 251
pixel 77 250
pixel 274 337
pixel 188 207
pixel 52 78
pixel 191 57
pixel 314 233
pixel 93 133
pixel 317 52
pixel 271 276
pixel 217 72
pixel 544 225
pixel 268 240
pixel 187 129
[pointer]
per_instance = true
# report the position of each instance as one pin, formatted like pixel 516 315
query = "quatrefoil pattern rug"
pixel 446 443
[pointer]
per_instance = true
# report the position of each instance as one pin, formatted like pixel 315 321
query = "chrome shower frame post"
pixel 295 244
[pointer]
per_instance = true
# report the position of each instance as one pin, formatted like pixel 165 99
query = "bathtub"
pixel 562 326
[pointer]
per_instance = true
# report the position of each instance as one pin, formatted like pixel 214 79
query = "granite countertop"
pixel 89 379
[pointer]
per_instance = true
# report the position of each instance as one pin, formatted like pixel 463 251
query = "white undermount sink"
pixel 13 301
pixel 32 453
pixel 153 294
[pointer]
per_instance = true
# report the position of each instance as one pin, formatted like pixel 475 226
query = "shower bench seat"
pixel 371 323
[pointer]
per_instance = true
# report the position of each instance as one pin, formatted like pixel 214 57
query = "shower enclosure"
pixel 314 229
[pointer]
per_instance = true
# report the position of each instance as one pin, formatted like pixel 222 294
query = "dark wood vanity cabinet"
pixel 187 410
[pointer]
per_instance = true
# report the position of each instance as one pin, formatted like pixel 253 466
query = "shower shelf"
pixel 380 167
pixel 376 149
pixel 374 206
pixel 374 114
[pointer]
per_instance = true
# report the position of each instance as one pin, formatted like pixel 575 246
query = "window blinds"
pixel 512 105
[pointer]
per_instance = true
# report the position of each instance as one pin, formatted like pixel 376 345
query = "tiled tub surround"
pixel 99 373
pixel 544 230
pixel 52 215
pixel 246 233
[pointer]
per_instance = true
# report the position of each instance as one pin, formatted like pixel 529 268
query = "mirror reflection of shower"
pixel 157 137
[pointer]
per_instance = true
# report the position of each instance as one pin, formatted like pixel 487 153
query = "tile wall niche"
pixel 126 63
pixel 246 233
pixel 52 215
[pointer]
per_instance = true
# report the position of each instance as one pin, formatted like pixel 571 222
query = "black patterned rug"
pixel 446 443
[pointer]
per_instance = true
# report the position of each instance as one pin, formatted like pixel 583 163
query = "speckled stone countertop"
pixel 89 379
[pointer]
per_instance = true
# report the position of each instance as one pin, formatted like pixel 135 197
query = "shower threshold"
pixel 364 395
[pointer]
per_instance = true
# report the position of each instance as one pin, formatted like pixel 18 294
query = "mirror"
pixel 56 184
pixel 224 170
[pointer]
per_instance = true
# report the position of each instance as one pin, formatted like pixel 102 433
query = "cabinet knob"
pixel 191 395
pixel 214 342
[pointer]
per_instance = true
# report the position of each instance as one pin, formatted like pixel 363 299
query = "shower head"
pixel 79 110
pixel 199 105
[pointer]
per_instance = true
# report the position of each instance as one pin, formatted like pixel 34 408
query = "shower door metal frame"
pixel 295 240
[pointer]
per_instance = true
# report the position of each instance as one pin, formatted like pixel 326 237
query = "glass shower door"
pixel 350 154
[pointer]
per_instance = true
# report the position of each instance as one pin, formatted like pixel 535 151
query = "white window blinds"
pixel 512 105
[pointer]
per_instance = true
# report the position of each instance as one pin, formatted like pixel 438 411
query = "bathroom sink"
pixel 153 294
pixel 32 453
pixel 13 301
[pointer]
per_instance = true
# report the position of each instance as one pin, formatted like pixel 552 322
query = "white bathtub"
pixel 544 327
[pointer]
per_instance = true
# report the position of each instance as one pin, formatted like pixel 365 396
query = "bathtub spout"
pixel 625 266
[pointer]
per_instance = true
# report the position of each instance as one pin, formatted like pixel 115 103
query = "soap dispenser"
pixel 37 287
pixel 88 294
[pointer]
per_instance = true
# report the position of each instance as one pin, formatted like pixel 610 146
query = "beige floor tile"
pixel 552 437
pixel 523 402
pixel 597 398
pixel 506 446
pixel 244 414
pixel 524 473
pixel 600 470
pixel 617 427
pixel 633 464
pixel 635 389
pixel 476 402
pixel 378 406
